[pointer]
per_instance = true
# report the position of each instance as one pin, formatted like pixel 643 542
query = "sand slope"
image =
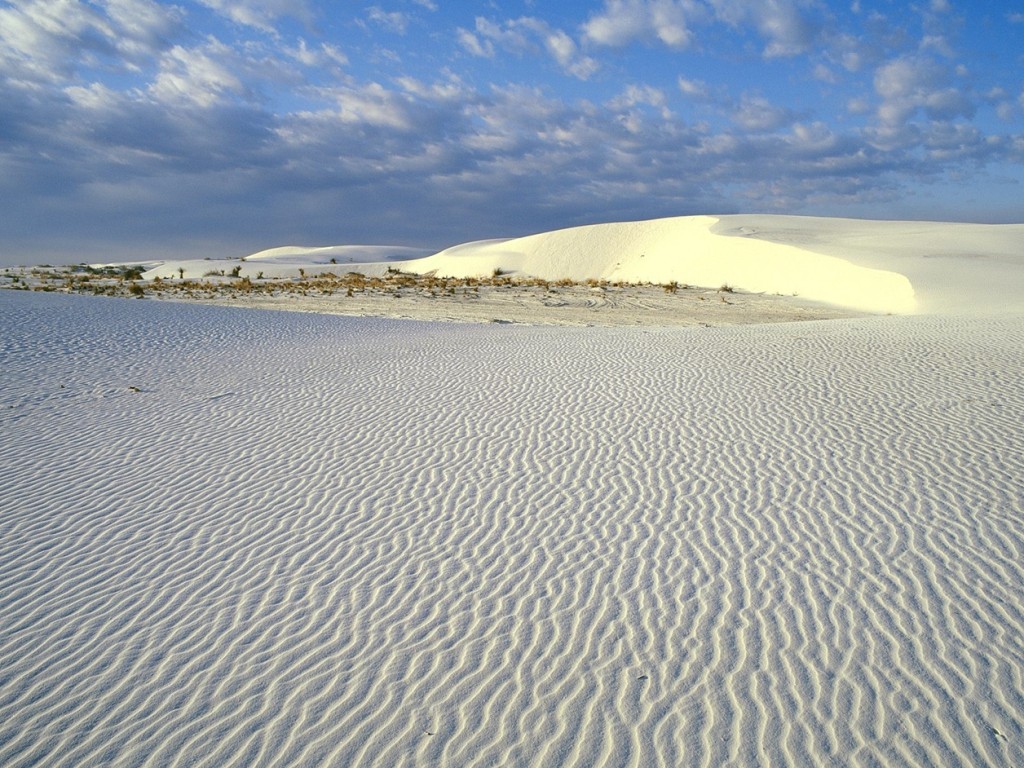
pixel 310 540
pixel 684 249
pixel 870 266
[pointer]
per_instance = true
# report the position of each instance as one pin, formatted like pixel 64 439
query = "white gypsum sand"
pixel 838 265
pixel 234 538
pixel 782 267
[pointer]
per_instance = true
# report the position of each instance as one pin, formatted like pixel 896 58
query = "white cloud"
pixel 198 75
pixel 858 106
pixel 913 83
pixel 563 49
pixel 475 45
pixel 46 41
pixel 451 91
pixel 142 25
pixel 640 95
pixel 694 89
pixel 179 106
pixel 394 21
pixel 785 24
pixel 322 55
pixel 622 22
pixel 852 61
pixel 756 113
pixel 374 105
pixel 527 35
pixel 39 39
pixel 812 137
pixel 824 74
pixel 937 43
pixel 512 35
pixel 261 14
pixel 95 96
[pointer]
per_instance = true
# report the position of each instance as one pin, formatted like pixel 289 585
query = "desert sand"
pixel 232 537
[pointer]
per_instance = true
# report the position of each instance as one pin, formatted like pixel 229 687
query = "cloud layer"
pixel 144 126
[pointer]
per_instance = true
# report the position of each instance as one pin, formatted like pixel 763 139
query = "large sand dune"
pixel 874 266
pixel 253 538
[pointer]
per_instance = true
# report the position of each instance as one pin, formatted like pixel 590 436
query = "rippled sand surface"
pixel 231 537
pixel 628 305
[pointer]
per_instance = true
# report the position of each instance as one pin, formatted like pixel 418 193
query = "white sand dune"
pixel 684 249
pixel 234 538
pixel 291 260
pixel 872 266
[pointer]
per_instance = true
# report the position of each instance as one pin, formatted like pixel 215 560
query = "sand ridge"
pixel 238 538
pixel 850 266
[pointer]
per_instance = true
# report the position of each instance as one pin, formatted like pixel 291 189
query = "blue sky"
pixel 141 129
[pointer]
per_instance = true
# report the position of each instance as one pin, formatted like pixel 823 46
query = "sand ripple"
pixel 240 538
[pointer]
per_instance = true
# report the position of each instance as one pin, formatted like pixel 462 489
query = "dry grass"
pixel 220 284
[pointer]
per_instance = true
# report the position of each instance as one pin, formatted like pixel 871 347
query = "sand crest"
pixel 257 538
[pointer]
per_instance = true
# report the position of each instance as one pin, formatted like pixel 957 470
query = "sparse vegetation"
pixel 127 280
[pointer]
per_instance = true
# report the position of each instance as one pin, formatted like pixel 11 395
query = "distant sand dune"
pixel 256 538
pixel 900 267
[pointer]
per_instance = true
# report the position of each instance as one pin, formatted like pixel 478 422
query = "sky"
pixel 134 129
